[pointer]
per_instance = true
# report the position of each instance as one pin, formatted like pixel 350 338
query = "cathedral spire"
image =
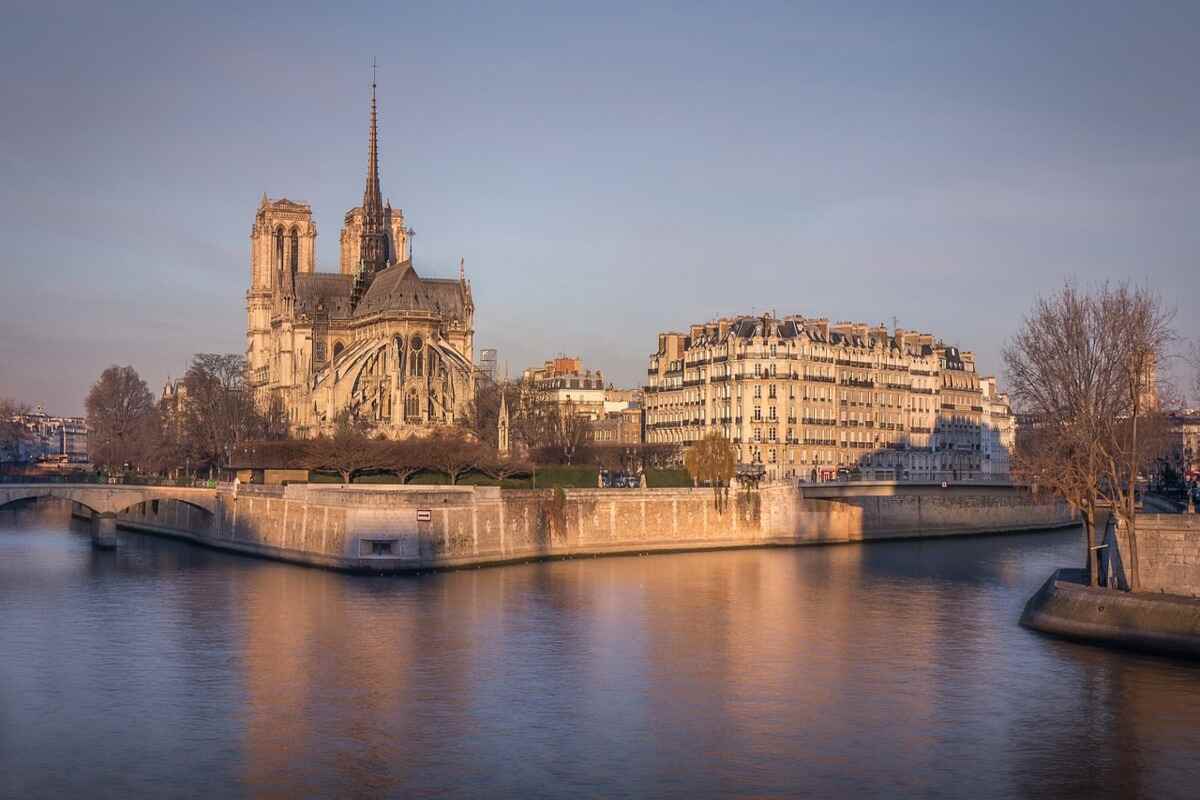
pixel 373 251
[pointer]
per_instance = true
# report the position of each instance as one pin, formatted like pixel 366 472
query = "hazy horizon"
pixel 605 174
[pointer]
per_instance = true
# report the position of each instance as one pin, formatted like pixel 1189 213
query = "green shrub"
pixel 668 479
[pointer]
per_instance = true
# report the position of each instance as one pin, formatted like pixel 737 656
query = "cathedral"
pixel 375 339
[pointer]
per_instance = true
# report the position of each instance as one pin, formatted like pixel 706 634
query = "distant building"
pixel 1184 451
pixel 622 427
pixel 487 364
pixel 807 399
pixel 565 381
pixel 61 440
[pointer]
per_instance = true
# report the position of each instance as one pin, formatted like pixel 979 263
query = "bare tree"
pixel 484 417
pixel 218 410
pixel 348 451
pixel 122 419
pixel 1141 329
pixel 533 418
pixel 452 454
pixel 1081 367
pixel 571 430
pixel 404 458
pixel 494 466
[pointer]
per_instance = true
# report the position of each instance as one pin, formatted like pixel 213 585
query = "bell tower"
pixel 283 242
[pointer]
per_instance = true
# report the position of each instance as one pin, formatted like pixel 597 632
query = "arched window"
pixel 295 259
pixel 338 347
pixel 412 407
pixel 279 249
pixel 418 362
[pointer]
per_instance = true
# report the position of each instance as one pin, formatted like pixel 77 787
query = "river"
pixel 885 670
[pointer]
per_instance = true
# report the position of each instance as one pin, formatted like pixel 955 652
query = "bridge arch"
pixel 104 499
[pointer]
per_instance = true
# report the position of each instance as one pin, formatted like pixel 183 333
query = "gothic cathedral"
pixel 374 340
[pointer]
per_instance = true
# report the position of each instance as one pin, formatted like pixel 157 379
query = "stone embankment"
pixel 1162 617
pixel 411 528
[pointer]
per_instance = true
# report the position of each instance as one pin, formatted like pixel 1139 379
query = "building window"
pixel 279 249
pixel 295 259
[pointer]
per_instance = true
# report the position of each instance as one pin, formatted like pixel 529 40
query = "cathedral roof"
pixel 399 288
pixel 329 291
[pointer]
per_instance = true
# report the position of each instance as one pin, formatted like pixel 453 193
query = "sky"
pixel 607 171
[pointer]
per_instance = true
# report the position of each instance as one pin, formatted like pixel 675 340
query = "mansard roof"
pixel 399 288
pixel 318 292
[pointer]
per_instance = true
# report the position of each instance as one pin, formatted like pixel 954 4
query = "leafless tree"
pixel 348 451
pixel 218 409
pixel 484 415
pixel 1080 367
pixel 452 454
pixel 1142 334
pixel 571 430
pixel 494 466
pixel 122 419
pixel 533 418
pixel 404 458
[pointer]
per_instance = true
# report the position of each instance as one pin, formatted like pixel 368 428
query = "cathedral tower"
pixel 283 242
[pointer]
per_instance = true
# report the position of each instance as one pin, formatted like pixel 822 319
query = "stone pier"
pixel 104 530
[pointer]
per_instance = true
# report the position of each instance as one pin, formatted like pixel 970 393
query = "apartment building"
pixel 808 399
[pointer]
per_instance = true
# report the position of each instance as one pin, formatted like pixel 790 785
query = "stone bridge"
pixel 107 500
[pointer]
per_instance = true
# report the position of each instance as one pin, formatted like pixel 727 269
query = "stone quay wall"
pixel 1168 553
pixel 412 528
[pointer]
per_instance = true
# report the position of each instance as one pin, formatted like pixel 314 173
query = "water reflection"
pixel 885 670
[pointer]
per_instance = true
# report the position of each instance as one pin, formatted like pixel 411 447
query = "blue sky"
pixel 606 170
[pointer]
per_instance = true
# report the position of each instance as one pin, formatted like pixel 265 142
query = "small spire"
pixel 264 199
pixel 462 272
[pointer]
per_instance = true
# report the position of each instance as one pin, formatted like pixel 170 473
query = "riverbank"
pixel 1159 623
pixel 415 528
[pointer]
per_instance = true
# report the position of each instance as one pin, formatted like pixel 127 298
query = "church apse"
pixel 375 339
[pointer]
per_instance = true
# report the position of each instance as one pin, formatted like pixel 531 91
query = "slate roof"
pixel 399 288
pixel 329 290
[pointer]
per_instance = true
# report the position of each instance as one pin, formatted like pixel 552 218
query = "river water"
pixel 886 670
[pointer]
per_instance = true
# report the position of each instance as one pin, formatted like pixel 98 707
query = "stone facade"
pixel 374 340
pixel 997 431
pixel 805 398
pixel 1168 553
